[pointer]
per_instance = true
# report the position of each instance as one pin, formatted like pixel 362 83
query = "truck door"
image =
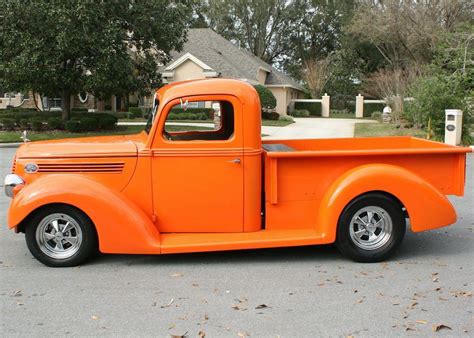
pixel 197 169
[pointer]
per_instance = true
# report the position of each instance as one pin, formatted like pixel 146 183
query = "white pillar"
pixel 453 128
pixel 359 106
pixel 325 105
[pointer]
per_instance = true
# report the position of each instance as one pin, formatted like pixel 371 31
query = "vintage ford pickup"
pixel 222 188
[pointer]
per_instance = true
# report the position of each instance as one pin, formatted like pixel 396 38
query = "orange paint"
pixel 149 195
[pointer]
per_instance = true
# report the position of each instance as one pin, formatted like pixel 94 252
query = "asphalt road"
pixel 294 292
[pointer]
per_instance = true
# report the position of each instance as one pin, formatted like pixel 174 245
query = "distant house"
pixel 207 54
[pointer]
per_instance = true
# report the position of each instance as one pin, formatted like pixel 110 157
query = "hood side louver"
pixel 109 167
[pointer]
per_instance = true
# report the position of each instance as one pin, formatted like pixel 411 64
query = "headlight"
pixel 11 181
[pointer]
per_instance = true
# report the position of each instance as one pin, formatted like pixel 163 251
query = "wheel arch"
pixel 411 192
pixel 121 226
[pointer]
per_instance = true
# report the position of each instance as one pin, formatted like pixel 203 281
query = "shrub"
pixel 376 115
pixel 300 113
pixel 36 124
pixel 106 121
pixel 54 123
pixel 24 124
pixel 432 95
pixel 286 118
pixel 370 108
pixel 121 115
pixel 270 116
pixel 74 126
pixel 8 124
pixel 89 124
pixel 136 112
pixel 267 99
pixel 314 108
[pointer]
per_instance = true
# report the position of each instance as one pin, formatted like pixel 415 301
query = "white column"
pixel 325 105
pixel 359 106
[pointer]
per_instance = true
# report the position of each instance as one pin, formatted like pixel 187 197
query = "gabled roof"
pixel 213 52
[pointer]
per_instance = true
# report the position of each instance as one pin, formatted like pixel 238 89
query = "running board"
pixel 200 242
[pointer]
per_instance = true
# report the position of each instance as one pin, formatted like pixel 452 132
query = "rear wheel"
pixel 61 236
pixel 371 228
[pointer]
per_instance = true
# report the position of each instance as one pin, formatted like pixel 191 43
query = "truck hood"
pixel 102 146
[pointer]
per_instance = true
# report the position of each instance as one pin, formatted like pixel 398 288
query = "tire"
pixel 370 240
pixel 61 236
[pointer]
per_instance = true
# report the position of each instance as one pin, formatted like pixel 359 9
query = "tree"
pixel 316 32
pixel 261 26
pixel 104 47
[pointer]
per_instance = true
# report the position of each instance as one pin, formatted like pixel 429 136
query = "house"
pixel 207 54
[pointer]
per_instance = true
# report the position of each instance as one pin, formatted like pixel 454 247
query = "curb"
pixel 10 145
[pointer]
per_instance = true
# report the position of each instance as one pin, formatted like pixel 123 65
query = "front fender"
pixel 121 226
pixel 426 206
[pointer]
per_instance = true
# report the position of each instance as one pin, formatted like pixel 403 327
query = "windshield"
pixel 151 115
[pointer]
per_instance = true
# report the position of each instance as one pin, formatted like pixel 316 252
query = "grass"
pixel 14 136
pixel 385 129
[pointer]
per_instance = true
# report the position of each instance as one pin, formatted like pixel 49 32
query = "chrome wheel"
pixel 371 228
pixel 59 236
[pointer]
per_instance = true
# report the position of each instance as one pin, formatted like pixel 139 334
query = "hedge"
pixel 191 114
pixel 38 120
pixel 370 108
pixel 314 108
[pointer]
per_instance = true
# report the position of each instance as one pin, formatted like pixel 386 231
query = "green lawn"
pixel 385 129
pixel 14 136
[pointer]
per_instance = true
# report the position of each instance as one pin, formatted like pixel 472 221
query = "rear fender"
pixel 121 226
pixel 426 206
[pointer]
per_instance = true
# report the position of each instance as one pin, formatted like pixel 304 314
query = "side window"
pixel 200 120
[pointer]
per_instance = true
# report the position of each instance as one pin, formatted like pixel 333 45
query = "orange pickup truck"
pixel 221 188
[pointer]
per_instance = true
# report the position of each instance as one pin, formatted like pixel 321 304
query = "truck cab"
pixel 217 186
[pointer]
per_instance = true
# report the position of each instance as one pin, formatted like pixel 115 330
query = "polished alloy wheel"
pixel 59 236
pixel 370 228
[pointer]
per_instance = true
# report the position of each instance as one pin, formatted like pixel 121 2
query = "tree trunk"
pixel 66 104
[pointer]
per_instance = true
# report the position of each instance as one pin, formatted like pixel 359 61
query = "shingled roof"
pixel 230 61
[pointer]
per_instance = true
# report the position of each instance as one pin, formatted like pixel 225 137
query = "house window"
pixel 200 120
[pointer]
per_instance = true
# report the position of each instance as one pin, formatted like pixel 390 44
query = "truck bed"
pixel 298 172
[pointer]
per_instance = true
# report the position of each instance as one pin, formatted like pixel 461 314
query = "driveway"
pixel 303 128
pixel 291 292
pixel 307 128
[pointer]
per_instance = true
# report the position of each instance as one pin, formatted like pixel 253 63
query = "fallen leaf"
pixel 206 317
pixel 169 304
pixel 412 306
pixel 201 334
pixel 242 334
pixel 421 321
pixel 262 306
pixel 360 300
pixel 195 284
pixel 19 303
pixel 17 293
pixel 437 289
pixel 94 317
pixel 409 329
pixel 179 335
pixel 439 327
pixel 436 279
pixel 172 326
pixel 442 298
pixel 177 275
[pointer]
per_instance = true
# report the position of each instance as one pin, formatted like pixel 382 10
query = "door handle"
pixel 235 160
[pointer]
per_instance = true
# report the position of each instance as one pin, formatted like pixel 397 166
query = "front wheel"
pixel 61 236
pixel 370 228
